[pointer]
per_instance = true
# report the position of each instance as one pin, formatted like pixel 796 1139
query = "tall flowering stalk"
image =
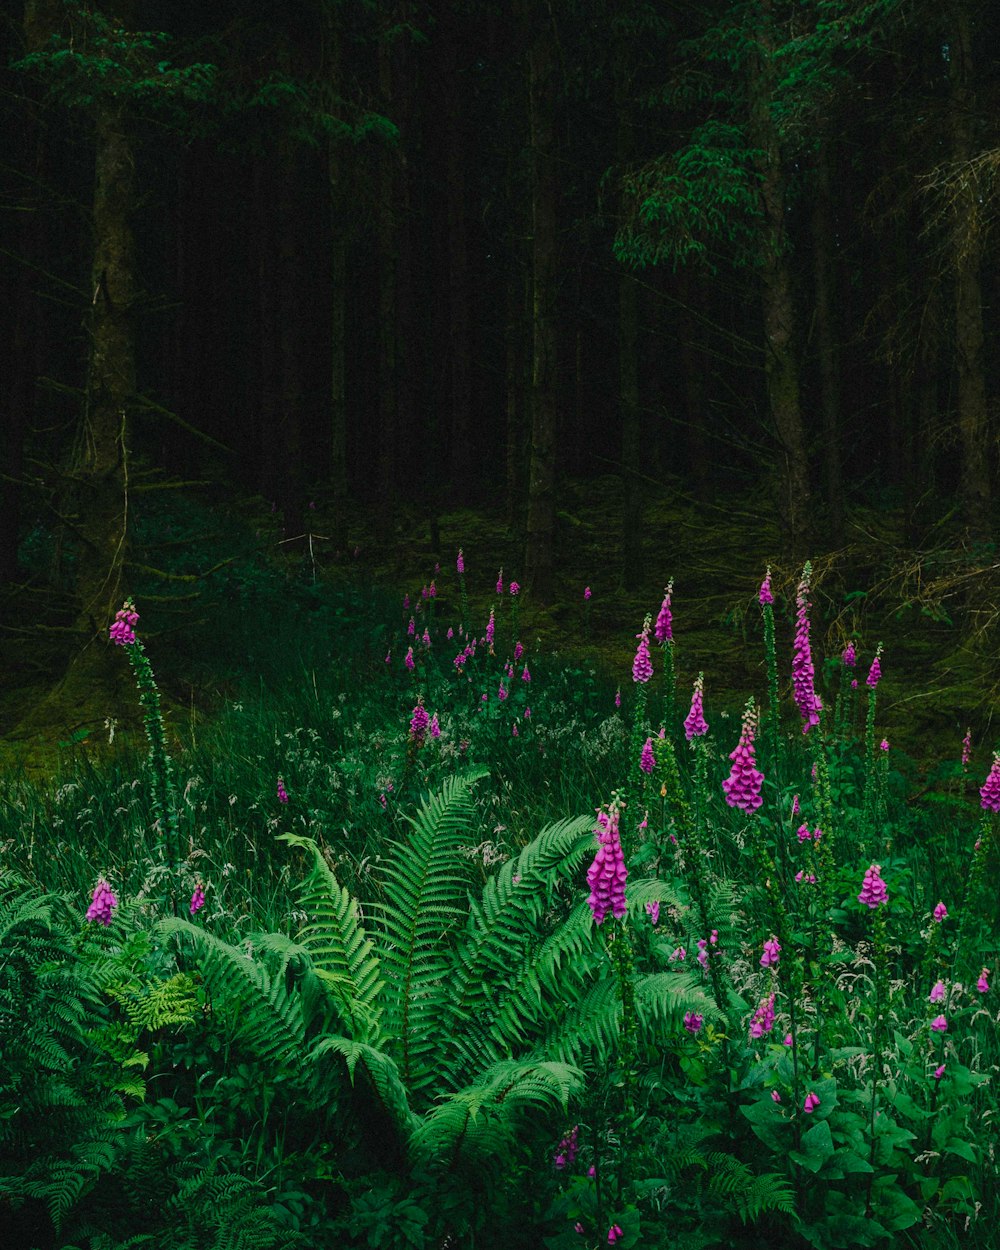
pixel 164 796
pixel 871 780
pixel 874 896
pixel 765 597
pixel 460 570
pixel 663 632
pixel 803 672
pixel 743 785
pixel 642 671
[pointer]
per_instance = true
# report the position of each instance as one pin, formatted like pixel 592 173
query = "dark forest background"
pixel 432 255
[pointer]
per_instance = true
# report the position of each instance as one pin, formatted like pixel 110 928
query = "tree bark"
pixel 973 417
pixel 781 363
pixel 541 519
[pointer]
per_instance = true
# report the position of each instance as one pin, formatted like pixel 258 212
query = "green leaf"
pixel 817 1146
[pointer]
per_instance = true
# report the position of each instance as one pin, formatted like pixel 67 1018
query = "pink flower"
pixel 527 713
pixel 939 1024
pixel 678 954
pixel 406 603
pixel 460 562
pixel 197 899
pixel 937 993
pixel 490 628
pixel 742 786
pixel 939 1072
pixel 586 592
pixel 502 692
pixel 388 656
pixel 764 595
pixel 811 1103
pixel 500 582
pixel 409 660
pixel 966 749
pixel 607 874
pixel 642 665
pixel 795 805
pixel 568 1148
pixel 412 627
pixel 873 891
pixel 940 912
pixel 703 953
pixel 875 672
pixel 515 589
pixel 122 631
pixel 647 762
pixel 618 698
pixel 990 793
pixel 419 722
pixel 434 726
pixel 884 744
pixel 614 1234
pixel 803 833
pixel 695 725
pixel 772 953
pixel 763 1018
pixel 693 1021
pixel 282 792
pixel 525 675
pixel 787 1040
pixel 103 901
pixel 775 1096
pixel 849 656
pixel 803 674
pixel 653 911
pixel 518 651
pixel 983 985
pixel 664 628
pixel 514 731
pixel 432 589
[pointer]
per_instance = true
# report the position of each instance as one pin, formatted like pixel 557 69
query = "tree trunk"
pixel 781 364
pixel 541 520
pixel 973 418
pixel 827 345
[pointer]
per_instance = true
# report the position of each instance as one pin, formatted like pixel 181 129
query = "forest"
pixel 425 425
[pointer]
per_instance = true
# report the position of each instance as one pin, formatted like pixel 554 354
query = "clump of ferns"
pixel 458 1017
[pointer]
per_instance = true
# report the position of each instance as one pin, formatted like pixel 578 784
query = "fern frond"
pixel 381 1072
pixel 425 900
pixel 663 998
pixel 340 951
pixel 264 1013
pixel 750 1195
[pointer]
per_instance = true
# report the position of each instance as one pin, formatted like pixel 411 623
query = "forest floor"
pixel 936 608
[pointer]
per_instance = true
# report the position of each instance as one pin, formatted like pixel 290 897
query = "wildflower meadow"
pixel 461 945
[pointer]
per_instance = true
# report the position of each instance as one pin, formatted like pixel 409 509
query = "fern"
pixel 339 950
pixel 425 891
pixel 748 1194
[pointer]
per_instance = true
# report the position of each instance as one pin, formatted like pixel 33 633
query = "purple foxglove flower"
pixel 525 675
pixel 450 634
pixel 406 603
pixel 502 691
pixel 787 1040
pixel 983 985
pixel 122 631
pixel 460 562
pixel 884 744
pixel 500 582
pixel 514 731
pixel 491 626
pixel 966 749
pixel 642 665
pixel 695 725
pixel 514 589
pixel 282 792
pixel 693 1020
pixel 803 833
pixel 795 805
pixel 607 874
pixel 772 953
pixel 412 627
pixel 939 1072
pixel 775 1096
pixel 937 993
pixel 939 1025
pixel 586 592
pixel 940 912
pixel 653 911
pixel 434 726
pixel 873 891
pixel 764 595
pixel 102 903
pixel 419 722
pixel 527 713
pixel 618 698
pixel 647 761
pixel 409 660
pixel 803 674
pixel 388 657
pixel 875 672
pixel 989 794
pixel 678 955
pixel 518 651
pixel 811 1103
pixel 703 953
pixel 197 899
pixel 742 786
pixel 849 656
pixel 663 631
pixel 763 1018
pixel 426 639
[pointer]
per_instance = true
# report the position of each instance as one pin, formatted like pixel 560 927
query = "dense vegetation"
pixel 355 964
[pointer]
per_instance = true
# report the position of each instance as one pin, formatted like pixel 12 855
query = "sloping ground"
pixel 211 584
